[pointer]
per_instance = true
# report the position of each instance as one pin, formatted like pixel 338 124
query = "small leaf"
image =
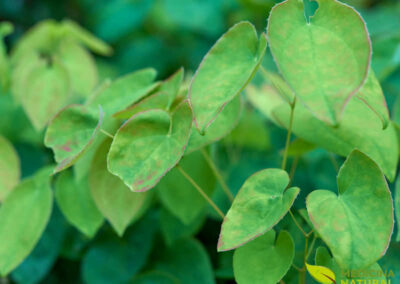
pixel 70 133
pixel 23 218
pixel 162 139
pixel 261 202
pixel 9 168
pixel 125 91
pixel 223 124
pixel 224 72
pixel 264 260
pixel 119 205
pixel 322 274
pixel 356 224
pixel 304 54
pixel 77 205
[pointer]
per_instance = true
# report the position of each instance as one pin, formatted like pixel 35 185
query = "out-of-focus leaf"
pixel 70 133
pixel 5 29
pixel 304 54
pixel 299 147
pixel 162 138
pixel 38 264
pixel 23 218
pixel 357 223
pixel 224 72
pixel 9 168
pixel 77 205
pixel 174 190
pixel 264 260
pixel 117 203
pixel 173 229
pixel 125 91
pixel 262 201
pixel 397 207
pixel 390 262
pixel 188 261
pixel 114 260
pixel 155 276
pixel 223 124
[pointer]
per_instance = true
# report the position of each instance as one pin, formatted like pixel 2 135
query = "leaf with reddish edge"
pixel 357 223
pixel 224 72
pixel 70 134
pixel 161 137
pixel 261 203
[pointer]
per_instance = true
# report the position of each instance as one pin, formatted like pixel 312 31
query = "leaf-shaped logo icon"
pixel 322 274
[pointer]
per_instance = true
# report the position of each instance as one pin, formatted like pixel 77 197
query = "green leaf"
pixel 118 204
pixel 223 124
pixel 47 90
pixel 85 37
pixel 264 260
pixel 116 260
pixel 356 224
pixel 262 201
pixel 77 204
pixel 81 68
pixel 125 91
pixel 360 128
pixel 162 99
pixel 323 257
pixel 5 29
pixel 23 218
pixel 161 138
pixel 323 77
pixel 175 190
pixel 224 72
pixel 188 261
pixel 70 133
pixel 155 276
pixel 397 207
pixel 9 168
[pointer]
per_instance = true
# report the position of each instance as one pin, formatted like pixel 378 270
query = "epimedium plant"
pixel 119 143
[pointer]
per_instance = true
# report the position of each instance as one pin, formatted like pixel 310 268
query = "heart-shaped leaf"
pixel 161 138
pixel 70 133
pixel 323 78
pixel 360 128
pixel 9 168
pixel 264 260
pixel 118 204
pixel 262 201
pixel 125 91
pixel 357 223
pixel 23 218
pixel 77 205
pixel 223 124
pixel 224 72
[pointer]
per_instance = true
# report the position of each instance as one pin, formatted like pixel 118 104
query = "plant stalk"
pixel 106 133
pixel 289 133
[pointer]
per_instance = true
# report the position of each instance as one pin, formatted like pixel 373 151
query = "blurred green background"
pixel 167 34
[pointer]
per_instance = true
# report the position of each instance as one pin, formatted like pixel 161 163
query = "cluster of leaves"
pixel 140 154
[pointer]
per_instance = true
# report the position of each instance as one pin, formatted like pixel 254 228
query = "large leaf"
pixel 188 261
pixel 224 72
pixel 125 91
pixel 23 218
pixel 372 273
pixel 118 204
pixel 223 124
pixel 77 205
pixel 264 260
pixel 116 260
pixel 360 128
pixel 357 223
pixel 326 60
pixel 175 190
pixel 262 201
pixel 70 133
pixel 47 90
pixel 148 145
pixel 397 207
pixel 9 168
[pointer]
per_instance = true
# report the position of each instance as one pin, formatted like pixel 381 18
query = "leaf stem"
pixel 302 276
pixel 106 133
pixel 289 133
pixel 217 174
pixel 297 224
pixel 201 191
pixel 311 247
